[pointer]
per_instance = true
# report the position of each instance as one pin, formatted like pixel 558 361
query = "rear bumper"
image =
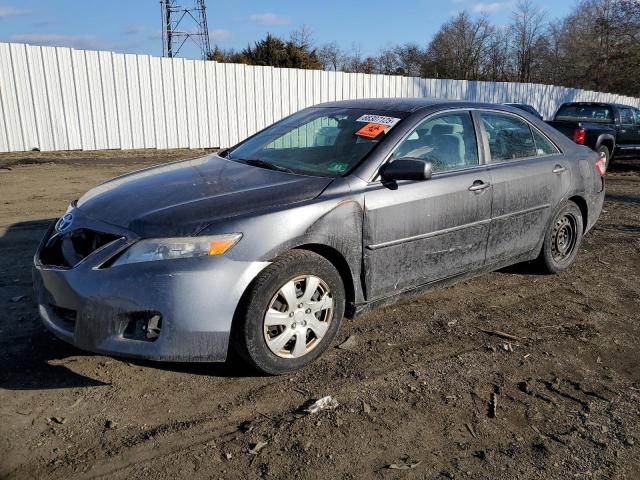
pixel 100 309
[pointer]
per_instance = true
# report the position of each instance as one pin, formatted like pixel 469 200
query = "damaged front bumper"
pixel 170 310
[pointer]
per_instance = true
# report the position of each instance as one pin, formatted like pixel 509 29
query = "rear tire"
pixel 562 239
pixel 292 314
pixel 607 154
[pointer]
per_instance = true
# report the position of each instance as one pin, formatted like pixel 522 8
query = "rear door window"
pixel 509 137
pixel 626 116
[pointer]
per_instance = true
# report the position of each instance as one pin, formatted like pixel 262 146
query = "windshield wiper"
pixel 270 166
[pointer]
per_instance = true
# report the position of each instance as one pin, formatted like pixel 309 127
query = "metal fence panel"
pixel 24 99
pixel 158 103
pixel 249 86
pixel 9 101
pixel 223 111
pixel 179 88
pixel 122 101
pixel 191 105
pixel 95 97
pixel 146 101
pixel 55 98
pixel 83 98
pixel 169 93
pixel 134 98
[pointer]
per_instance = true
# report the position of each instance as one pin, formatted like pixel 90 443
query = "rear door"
pixel 530 176
pixel 416 232
pixel 636 117
pixel 627 138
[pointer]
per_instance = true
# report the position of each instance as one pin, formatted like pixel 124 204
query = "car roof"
pixel 408 105
pixel 600 104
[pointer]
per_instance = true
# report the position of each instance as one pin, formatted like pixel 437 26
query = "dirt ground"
pixel 415 389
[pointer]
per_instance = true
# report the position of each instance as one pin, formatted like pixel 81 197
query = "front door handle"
pixel 479 186
pixel 558 169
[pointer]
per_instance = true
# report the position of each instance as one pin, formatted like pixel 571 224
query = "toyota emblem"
pixel 65 222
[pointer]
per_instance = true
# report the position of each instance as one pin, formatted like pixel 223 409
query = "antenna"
pixel 176 20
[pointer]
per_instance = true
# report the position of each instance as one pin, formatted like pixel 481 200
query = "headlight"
pixel 180 247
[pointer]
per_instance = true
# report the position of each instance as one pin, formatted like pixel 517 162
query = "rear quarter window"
pixel 585 113
pixel 543 145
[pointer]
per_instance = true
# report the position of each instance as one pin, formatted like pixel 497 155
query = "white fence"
pixel 55 98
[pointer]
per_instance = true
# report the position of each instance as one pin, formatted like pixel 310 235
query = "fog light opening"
pixel 153 327
pixel 145 326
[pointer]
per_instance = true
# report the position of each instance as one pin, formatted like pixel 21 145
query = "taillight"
pixel 601 165
pixel 579 135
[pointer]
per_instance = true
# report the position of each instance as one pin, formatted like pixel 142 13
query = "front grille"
pixel 69 249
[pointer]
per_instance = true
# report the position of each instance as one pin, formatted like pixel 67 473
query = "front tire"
pixel 292 314
pixel 562 239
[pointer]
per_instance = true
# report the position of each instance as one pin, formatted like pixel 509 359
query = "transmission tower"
pixel 183 23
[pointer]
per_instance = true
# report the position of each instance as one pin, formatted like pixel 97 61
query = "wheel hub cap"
pixel 298 316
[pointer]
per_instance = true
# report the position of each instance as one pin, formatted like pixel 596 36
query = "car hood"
pixel 183 197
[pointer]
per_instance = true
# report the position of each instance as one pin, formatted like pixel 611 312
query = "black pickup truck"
pixel 608 128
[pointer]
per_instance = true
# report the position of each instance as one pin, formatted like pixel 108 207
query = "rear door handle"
pixel 558 169
pixel 478 186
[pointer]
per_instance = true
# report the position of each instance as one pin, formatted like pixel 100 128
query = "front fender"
pixel 333 220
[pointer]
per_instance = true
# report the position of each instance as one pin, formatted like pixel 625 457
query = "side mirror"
pixel 407 169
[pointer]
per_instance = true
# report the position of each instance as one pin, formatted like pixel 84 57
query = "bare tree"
pixel 555 65
pixel 331 56
pixel 388 61
pixel 302 37
pixel 458 49
pixel 596 46
pixel 528 29
pixel 498 65
pixel 409 58
pixel 630 11
pixel 354 62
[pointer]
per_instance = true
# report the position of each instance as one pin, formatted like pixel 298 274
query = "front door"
pixel 416 232
pixel 529 177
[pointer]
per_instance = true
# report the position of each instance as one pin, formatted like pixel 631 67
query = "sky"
pixel 134 26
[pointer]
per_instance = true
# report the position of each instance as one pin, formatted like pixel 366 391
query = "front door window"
pixel 448 141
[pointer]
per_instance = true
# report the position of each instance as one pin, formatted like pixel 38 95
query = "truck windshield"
pixel 585 113
pixel 324 141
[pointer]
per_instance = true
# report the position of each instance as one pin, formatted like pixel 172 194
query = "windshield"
pixel 590 113
pixel 322 141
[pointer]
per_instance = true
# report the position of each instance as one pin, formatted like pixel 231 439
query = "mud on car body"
pixel 265 247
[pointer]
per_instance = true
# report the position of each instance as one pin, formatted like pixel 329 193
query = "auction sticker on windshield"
pixel 380 119
pixel 371 130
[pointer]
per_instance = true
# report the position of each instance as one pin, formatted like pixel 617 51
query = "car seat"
pixel 448 146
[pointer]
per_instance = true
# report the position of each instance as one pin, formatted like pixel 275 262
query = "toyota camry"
pixel 263 248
